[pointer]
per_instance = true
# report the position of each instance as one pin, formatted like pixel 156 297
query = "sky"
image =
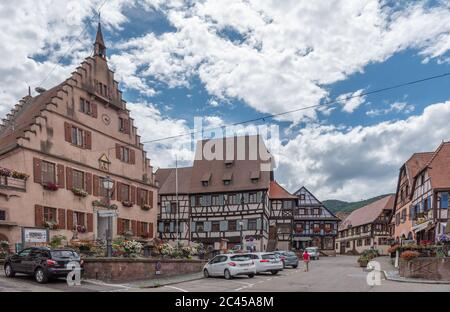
pixel 236 60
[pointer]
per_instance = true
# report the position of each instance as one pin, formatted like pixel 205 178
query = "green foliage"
pixel 56 241
pixel 338 205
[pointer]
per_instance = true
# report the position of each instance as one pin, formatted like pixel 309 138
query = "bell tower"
pixel 99 45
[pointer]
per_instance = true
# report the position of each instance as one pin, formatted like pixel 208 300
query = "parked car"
pixel 267 262
pixel 313 252
pixel 41 262
pixel 230 265
pixel 289 258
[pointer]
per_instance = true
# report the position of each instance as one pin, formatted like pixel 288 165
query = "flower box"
pixel 127 204
pixel 146 207
pixel 50 186
pixel 19 175
pixel 80 228
pixel 79 192
pixel 316 230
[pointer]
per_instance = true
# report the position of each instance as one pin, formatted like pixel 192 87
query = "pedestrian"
pixel 306 259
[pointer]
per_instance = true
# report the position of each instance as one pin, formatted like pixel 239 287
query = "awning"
pixel 421 227
pixel 302 239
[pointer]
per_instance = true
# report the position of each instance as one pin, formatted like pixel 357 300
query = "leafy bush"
pixel 56 241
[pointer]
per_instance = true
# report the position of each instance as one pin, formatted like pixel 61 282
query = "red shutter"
pixel 132 156
pixel 150 198
pixel 38 216
pixel 70 220
pixel 88 182
pixel 90 222
pixel 134 227
pixel 67 132
pixel 87 139
pixel 96 184
pixel 37 170
pixel 94 110
pixel 119 226
pixel 61 219
pixel 60 175
pixel 117 151
pixel 138 228
pixel 150 230
pixel 119 197
pixel 126 126
pixel 69 178
pixel 133 194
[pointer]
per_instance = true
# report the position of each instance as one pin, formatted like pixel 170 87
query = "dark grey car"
pixel 289 258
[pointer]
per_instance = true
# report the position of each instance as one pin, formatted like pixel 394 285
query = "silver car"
pixel 267 262
pixel 313 252
pixel 289 258
pixel 230 265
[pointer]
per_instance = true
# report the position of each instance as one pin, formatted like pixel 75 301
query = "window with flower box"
pixel 48 172
pixel 125 192
pixel 79 218
pixel 142 197
pixel 49 214
pixel 78 179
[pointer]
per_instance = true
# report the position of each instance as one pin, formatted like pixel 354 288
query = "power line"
pixel 97 11
pixel 409 83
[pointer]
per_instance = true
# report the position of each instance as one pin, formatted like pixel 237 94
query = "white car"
pixel 267 262
pixel 230 265
pixel 313 252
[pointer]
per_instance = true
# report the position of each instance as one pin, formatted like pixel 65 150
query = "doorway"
pixel 102 227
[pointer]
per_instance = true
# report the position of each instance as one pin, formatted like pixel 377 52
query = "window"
pixel 252 224
pixel 143 197
pixel 123 125
pixel 254 180
pixel 2 215
pixel 444 200
pixel 302 196
pixel 215 226
pixel 48 172
pixel 77 136
pixel 85 106
pixel 102 191
pixel 49 214
pixel 199 227
pixel 126 225
pixel 252 198
pixel 226 182
pixel 359 242
pixel 78 218
pixel 215 200
pixel 347 245
pixel 102 89
pixel 397 219
pixel 144 227
pixel 317 211
pixel 302 211
pixel 403 215
pixel 232 199
pixel 205 183
pixel 78 179
pixel 198 200
pixel 124 154
pixel 167 227
pixel 422 179
pixel 125 192
pixel 367 242
pixel 232 225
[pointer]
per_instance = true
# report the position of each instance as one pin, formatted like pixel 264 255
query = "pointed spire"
pixel 99 45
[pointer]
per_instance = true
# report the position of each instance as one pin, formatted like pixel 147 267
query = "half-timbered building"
pixel 367 228
pixel 430 196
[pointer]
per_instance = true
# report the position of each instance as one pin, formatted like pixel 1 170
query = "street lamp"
pixel 241 224
pixel 108 184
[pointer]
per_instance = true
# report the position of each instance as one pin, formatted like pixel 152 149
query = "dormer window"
pixel 228 163
pixel 206 178
pixel 254 176
pixel 227 177
pixel 205 183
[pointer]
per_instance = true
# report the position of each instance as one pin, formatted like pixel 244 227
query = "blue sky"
pixel 237 60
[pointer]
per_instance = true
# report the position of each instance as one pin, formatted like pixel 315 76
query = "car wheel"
pixel 227 274
pixel 206 273
pixel 295 266
pixel 274 272
pixel 9 272
pixel 40 276
pixel 251 275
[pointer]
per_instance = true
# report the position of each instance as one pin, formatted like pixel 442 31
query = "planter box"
pixel 427 268
pixel 133 269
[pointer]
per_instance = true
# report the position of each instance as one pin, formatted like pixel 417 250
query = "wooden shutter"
pixel 133 194
pixel 37 170
pixel 132 156
pixel 38 216
pixel 88 182
pixel 133 227
pixel 117 151
pixel 60 175
pixel 87 139
pixel 126 126
pixel 67 132
pixel 90 222
pixel 61 219
pixel 150 198
pixel 94 110
pixel 70 220
pixel 119 195
pixel 150 230
pixel 138 228
pixel 96 185
pixel 119 226
pixel 69 178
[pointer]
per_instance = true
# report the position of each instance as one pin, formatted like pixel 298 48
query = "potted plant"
pixel 49 186
pixel 19 175
pixel 146 207
pixel 79 192
pixel 363 260
pixel 127 203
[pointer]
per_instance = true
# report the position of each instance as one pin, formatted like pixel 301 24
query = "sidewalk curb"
pixel 410 280
pixel 171 283
pixel 131 286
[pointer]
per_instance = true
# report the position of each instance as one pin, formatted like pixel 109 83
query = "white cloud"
pixel 397 107
pixel 282 56
pixel 351 101
pixel 362 161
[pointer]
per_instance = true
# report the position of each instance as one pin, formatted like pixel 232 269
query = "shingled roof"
pixel 276 191
pixel 416 163
pixel 167 180
pixel 438 167
pixel 368 213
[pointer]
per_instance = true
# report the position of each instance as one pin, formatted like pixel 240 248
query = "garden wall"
pixel 426 268
pixel 132 269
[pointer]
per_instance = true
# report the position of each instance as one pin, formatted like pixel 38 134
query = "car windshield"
pixel 269 257
pixel 312 249
pixel 240 258
pixel 291 254
pixel 64 254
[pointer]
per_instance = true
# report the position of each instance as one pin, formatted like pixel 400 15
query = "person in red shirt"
pixel 306 259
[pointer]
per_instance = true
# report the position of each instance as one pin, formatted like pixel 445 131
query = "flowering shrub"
pixel 409 255
pixel 79 192
pixel 127 248
pixel 179 252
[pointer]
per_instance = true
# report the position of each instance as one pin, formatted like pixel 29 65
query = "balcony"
pixel 13 183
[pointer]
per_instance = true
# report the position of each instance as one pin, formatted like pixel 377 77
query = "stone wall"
pixel 426 268
pixel 131 269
